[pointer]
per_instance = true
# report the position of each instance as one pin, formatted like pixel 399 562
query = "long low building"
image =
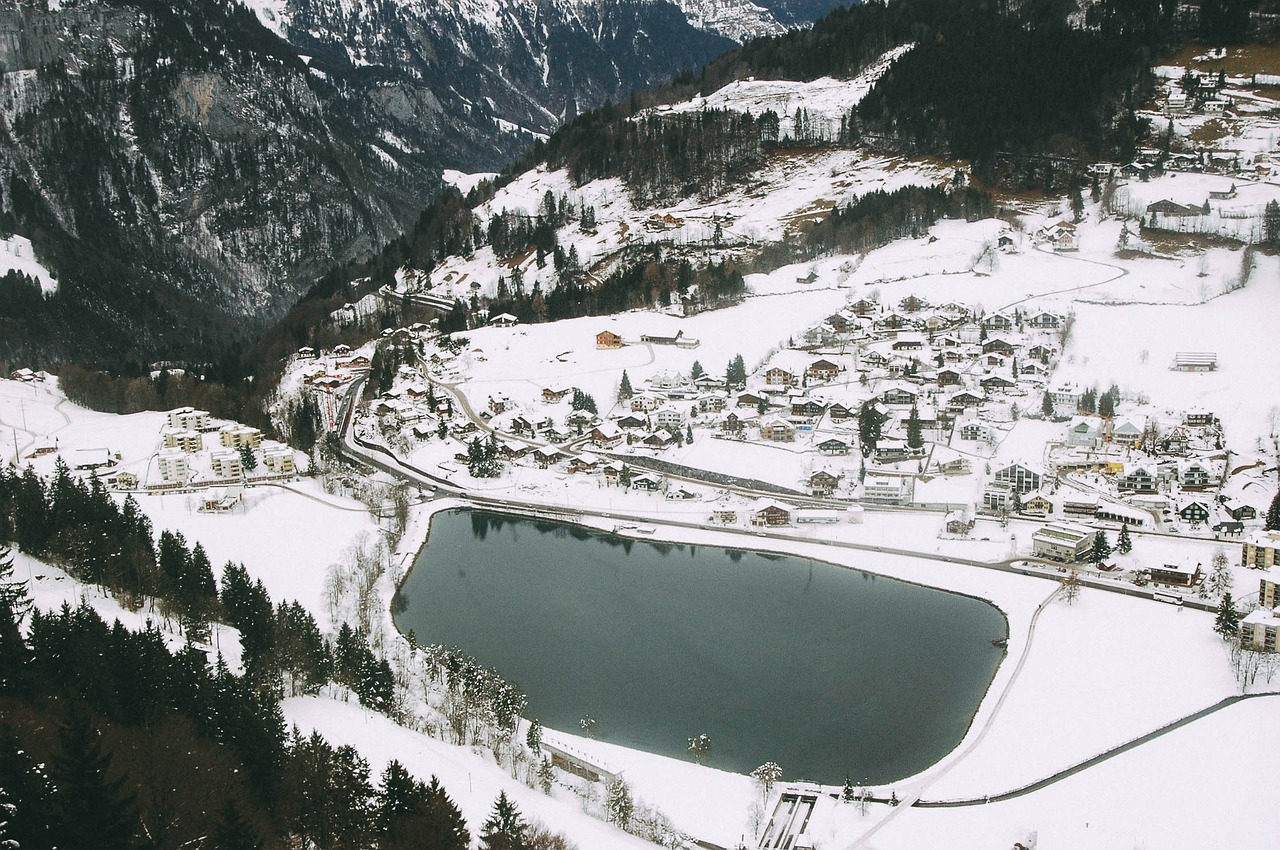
pixel 1061 541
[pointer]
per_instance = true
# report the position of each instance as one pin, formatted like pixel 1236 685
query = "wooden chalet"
pixel 823 483
pixel 833 446
pixel 822 370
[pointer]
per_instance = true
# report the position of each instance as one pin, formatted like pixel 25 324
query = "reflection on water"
pixel 829 672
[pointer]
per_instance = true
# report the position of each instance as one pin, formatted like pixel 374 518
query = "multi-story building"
pixel 1021 478
pixel 1260 550
pixel 1061 541
pixel 173 467
pixel 278 460
pixel 235 436
pixel 1065 398
pixel 889 489
pixel 227 463
pixel 188 419
pixel 1258 629
pixel 1269 591
pixel 187 441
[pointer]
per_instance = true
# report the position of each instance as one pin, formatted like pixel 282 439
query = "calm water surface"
pixel 827 671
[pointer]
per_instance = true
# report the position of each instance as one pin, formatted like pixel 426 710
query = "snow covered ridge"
pixel 825 99
pixel 739 20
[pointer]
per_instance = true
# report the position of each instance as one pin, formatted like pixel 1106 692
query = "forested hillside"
pixel 950 96
pixel 110 739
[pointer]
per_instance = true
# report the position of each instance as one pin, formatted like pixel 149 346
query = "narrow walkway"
pixel 1120 272
pixel 914 798
pixel 1098 759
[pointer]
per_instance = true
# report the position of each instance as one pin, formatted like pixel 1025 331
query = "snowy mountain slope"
pixel 181 172
pixel 418 68
pixel 790 188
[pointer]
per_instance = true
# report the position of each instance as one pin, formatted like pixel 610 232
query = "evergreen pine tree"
pixel 1273 515
pixel 869 426
pixel 94 811
pixel 398 798
pixel 848 793
pixel 624 387
pixel 504 829
pixel 618 803
pixel 233 832
pixel 248 459
pixel 441 825
pixel 1227 623
pixel 696 371
pixel 915 434
pixel 1124 543
pixel 534 737
pixel 736 374
pixel 199 590
pixel 25 787
pixel 13 592
pixel 1101 549
pixel 546 775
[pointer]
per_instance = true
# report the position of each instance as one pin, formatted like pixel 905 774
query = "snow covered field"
pixel 520 361
pixel 285 535
pixel 826 100
pixel 17 254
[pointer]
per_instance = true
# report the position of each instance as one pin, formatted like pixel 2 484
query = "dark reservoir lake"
pixel 825 670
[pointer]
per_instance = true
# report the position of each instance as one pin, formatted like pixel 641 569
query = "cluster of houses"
pixel 1135 469
pixel 198 451
pixel 28 376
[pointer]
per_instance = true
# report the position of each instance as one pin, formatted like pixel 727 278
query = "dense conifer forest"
pixel 109 739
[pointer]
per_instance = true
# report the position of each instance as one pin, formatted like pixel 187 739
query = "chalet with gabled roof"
pixel 779 377
pixel 840 413
pixel 899 393
pixel 1041 352
pixel 807 408
pixel 659 439
pixel 1045 321
pixel 631 422
pixel 767 512
pixel 822 370
pixel 997 383
pixel 606 435
pixel 822 483
pixel 965 398
pixel 1194 512
pixel 646 482
pixel 997 322
pixel 997 345
pixel 777 431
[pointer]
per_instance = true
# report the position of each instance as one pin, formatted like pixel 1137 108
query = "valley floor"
pixel 1092 676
